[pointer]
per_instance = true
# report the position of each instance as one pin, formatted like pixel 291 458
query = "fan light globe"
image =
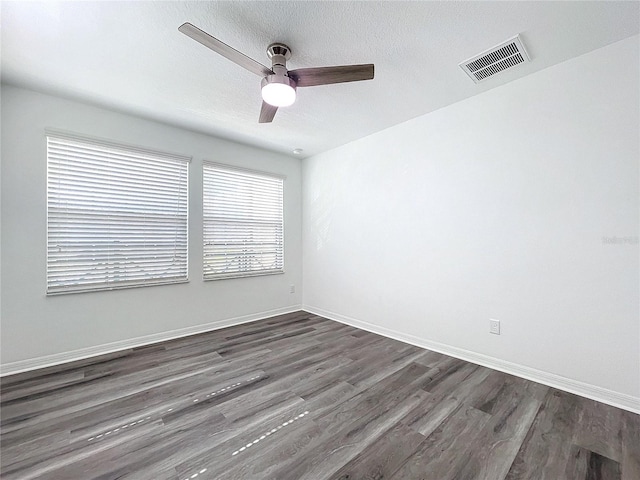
pixel 278 91
pixel 278 94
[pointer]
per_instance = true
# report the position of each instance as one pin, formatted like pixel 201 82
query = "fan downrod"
pixel 279 53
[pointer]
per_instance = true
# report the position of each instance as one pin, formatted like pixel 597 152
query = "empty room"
pixel 320 240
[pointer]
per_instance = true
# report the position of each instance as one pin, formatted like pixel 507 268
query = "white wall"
pixel 34 325
pixel 495 207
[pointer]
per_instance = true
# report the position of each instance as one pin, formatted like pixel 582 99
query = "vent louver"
pixel 501 57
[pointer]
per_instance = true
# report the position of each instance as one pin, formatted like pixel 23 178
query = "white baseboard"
pixel 610 397
pixel 66 357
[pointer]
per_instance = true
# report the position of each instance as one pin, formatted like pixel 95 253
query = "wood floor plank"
pixel 384 456
pixel 355 420
pixel 327 453
pixel 431 359
pixel 547 447
pixel 584 464
pixel 65 368
pixel 447 375
pixel 301 397
pixel 630 446
pixel 430 413
pixel 395 386
pixel 599 429
pixel 374 371
pixel 500 440
pixel 221 456
pixel 262 461
pixel 447 448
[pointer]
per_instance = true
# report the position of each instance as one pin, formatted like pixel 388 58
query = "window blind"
pixel 116 216
pixel 242 222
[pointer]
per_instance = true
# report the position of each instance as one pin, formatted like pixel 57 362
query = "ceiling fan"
pixel 279 84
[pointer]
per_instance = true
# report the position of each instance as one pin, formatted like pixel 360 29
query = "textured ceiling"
pixel 130 56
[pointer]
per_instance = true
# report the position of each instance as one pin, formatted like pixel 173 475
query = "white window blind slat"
pixel 243 223
pixel 117 216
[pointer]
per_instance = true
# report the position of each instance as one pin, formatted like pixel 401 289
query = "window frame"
pixel 126 150
pixel 230 169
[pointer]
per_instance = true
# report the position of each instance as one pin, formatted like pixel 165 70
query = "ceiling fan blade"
pixel 267 112
pixel 225 50
pixel 310 77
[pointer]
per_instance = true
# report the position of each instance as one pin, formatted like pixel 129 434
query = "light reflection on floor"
pixel 121 428
pixel 270 432
pixel 257 440
pixel 196 474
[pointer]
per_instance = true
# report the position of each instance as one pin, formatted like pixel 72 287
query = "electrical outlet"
pixel 292 289
pixel 494 326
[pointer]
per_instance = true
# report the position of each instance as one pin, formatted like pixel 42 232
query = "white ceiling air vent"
pixel 501 57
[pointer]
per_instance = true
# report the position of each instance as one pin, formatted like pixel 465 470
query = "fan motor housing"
pixel 279 53
pixel 279 79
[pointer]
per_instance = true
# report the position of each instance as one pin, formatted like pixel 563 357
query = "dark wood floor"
pixel 302 397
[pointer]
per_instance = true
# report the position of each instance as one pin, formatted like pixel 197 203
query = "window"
pixel 116 216
pixel 243 222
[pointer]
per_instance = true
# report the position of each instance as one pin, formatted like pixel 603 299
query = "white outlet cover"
pixel 494 326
